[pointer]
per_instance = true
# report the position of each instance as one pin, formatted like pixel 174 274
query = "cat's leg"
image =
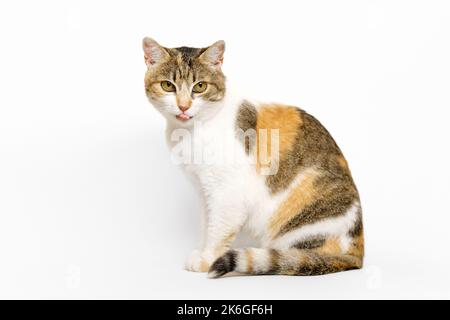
pixel 224 219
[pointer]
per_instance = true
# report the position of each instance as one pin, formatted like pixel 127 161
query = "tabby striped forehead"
pixel 188 54
pixel 184 66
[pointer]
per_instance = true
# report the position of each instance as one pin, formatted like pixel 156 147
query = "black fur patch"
pixel 275 258
pixel 311 243
pixel 188 54
pixel 224 264
pixel 246 119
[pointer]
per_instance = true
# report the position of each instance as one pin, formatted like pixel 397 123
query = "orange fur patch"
pixel 302 195
pixel 249 258
pixel 331 246
pixel 204 266
pixel 343 163
pixel 357 247
pixel 287 120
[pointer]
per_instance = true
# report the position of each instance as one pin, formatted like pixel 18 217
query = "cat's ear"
pixel 213 55
pixel 153 51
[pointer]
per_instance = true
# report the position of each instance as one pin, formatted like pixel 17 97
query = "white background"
pixel 90 204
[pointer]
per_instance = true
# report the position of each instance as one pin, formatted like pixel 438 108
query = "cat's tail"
pixel 283 262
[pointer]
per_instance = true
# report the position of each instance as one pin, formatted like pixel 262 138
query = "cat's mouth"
pixel 183 117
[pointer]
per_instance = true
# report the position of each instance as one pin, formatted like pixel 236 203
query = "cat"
pixel 288 183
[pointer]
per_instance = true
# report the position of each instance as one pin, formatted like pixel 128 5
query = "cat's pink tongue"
pixel 183 116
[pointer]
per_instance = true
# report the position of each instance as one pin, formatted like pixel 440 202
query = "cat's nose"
pixel 183 108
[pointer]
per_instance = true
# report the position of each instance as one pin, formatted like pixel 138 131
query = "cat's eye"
pixel 200 87
pixel 168 86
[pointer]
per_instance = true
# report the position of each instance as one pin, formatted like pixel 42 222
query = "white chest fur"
pixel 222 171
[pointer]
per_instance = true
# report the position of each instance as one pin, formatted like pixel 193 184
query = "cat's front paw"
pixel 198 261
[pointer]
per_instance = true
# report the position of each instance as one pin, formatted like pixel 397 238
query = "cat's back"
pixel 301 142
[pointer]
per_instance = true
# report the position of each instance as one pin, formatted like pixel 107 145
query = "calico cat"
pixel 288 183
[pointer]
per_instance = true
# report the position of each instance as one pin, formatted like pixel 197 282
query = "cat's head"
pixel 184 83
